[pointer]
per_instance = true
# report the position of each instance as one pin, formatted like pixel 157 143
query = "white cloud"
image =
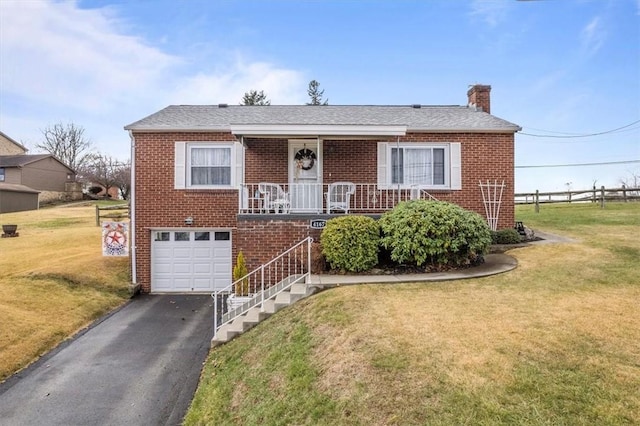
pixel 593 36
pixel 491 11
pixel 60 55
pixel 282 86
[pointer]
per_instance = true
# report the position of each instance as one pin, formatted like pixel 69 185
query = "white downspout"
pixel 132 210
pixel 398 162
pixel 320 176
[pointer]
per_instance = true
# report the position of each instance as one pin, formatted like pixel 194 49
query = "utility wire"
pixel 579 135
pixel 577 165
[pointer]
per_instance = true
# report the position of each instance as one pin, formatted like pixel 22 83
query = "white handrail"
pixel 263 286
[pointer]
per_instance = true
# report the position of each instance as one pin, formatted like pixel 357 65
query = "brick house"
pixel 210 181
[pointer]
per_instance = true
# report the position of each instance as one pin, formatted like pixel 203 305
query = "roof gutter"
pixel 316 130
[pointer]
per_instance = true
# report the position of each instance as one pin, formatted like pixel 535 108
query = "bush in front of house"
pixel 505 236
pixel 351 243
pixel 421 232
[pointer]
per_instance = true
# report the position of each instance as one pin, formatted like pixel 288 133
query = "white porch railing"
pixel 288 268
pixel 313 198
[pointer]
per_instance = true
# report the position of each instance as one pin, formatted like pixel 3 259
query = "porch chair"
pixel 339 196
pixel 274 197
pixel 415 192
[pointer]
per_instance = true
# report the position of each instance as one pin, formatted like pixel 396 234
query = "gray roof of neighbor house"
pixel 22 160
pixel 12 187
pixel 417 118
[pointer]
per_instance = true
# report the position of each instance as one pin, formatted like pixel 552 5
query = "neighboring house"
pixel 10 147
pixel 41 172
pixel 210 181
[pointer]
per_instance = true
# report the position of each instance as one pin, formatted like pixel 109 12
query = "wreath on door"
pixel 305 159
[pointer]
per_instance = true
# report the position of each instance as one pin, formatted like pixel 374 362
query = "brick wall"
pixel 158 205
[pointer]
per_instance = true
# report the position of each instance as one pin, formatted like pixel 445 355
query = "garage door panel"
pixel 202 268
pixel 202 283
pixel 202 253
pixel 181 268
pixel 163 268
pixel 162 284
pixel 163 252
pixel 180 263
pixel 219 269
pixel 182 283
pixel 182 252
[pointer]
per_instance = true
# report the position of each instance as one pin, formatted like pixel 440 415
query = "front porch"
pixel 316 198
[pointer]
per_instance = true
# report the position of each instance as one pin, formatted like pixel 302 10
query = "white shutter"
pixel 180 165
pixel 238 163
pixel 382 166
pixel 456 165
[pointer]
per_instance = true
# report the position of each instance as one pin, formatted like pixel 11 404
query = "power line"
pixel 578 165
pixel 568 136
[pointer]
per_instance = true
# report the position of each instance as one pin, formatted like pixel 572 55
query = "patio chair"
pixel 274 197
pixel 339 196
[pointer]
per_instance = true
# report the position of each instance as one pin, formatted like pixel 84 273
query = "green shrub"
pixel 351 243
pixel 432 232
pixel 505 236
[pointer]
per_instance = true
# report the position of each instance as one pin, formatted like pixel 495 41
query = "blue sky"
pixel 557 67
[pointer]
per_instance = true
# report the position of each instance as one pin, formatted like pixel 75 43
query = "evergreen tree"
pixel 253 97
pixel 316 94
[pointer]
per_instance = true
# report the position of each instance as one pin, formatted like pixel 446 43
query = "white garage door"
pixel 190 261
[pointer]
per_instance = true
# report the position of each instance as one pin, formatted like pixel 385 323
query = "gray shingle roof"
pixel 424 118
pixel 20 160
pixel 13 187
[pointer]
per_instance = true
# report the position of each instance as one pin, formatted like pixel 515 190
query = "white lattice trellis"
pixel 492 198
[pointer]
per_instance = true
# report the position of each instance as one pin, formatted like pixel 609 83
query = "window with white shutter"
pixel 428 165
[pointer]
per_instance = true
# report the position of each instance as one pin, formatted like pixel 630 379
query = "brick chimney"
pixel 479 96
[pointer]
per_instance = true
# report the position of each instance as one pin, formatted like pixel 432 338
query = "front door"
pixel 305 175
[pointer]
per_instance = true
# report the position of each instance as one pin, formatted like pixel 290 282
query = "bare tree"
pixel 316 94
pixel 632 181
pixel 102 170
pixel 68 144
pixel 123 179
pixel 253 97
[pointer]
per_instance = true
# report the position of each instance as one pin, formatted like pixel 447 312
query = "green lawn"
pixel 554 342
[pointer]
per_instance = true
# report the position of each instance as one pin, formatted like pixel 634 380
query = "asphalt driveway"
pixel 137 366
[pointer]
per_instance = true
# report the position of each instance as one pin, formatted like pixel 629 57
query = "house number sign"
pixel 317 223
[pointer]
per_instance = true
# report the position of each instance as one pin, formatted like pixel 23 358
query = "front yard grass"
pixel 53 281
pixel 553 342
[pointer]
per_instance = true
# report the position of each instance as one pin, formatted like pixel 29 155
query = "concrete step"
pixel 271 307
pixel 224 334
pixel 301 288
pixel 257 314
pixel 287 298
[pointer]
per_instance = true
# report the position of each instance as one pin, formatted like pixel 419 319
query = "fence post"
pixel 97 215
pixel 594 194
pixel 602 197
pixel 537 201
pixel 624 192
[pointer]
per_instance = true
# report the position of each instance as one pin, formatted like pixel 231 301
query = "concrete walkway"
pixel 139 365
pixel 494 264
